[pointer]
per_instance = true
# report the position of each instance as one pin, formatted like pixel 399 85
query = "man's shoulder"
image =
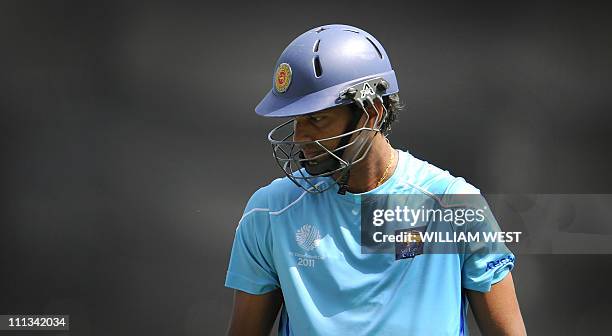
pixel 275 196
pixel 430 179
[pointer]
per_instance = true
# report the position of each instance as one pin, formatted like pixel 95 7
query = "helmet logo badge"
pixel 282 78
pixel 367 90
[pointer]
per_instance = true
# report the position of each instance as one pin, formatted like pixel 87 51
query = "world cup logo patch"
pixel 282 78
pixel 307 237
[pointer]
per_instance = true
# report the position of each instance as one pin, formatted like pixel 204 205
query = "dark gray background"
pixel 130 144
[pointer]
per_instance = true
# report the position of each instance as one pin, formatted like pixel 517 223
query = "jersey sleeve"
pixel 251 266
pixel 483 263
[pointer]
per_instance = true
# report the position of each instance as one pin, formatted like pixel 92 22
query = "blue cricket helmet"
pixel 320 64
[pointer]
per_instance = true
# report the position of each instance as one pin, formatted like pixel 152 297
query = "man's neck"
pixel 368 173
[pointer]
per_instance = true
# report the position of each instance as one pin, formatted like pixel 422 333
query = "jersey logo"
pixel 307 237
pixel 411 248
pixel 499 262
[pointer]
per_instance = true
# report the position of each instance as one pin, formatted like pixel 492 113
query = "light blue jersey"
pixel 330 287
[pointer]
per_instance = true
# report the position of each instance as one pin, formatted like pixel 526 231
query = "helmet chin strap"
pixel 314 167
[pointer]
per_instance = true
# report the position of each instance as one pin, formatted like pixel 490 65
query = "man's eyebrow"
pixel 319 114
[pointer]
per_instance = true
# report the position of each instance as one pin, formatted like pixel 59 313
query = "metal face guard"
pixel 302 171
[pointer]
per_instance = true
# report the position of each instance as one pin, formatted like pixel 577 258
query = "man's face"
pixel 320 125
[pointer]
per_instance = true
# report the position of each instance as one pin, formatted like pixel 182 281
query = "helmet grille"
pixel 375 47
pixel 317 67
pixel 315 48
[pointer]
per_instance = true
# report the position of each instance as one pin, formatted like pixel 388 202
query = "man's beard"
pixel 327 163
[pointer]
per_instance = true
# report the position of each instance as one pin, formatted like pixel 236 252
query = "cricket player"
pixel 297 246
